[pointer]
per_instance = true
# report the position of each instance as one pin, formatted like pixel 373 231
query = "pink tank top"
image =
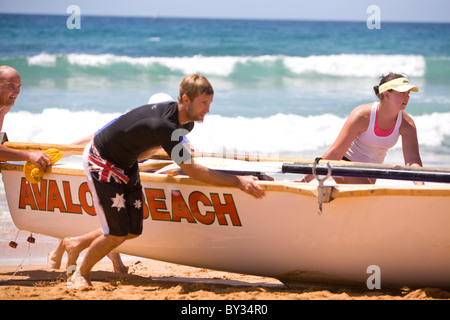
pixel 373 144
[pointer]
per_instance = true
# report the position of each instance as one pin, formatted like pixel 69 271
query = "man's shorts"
pixel 117 194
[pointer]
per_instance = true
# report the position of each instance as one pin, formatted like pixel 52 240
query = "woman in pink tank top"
pixel 373 128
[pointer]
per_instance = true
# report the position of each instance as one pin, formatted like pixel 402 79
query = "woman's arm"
pixel 357 121
pixel 410 143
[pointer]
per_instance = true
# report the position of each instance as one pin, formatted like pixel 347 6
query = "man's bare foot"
pixel 118 265
pixel 54 257
pixel 53 262
pixel 77 281
pixel 71 246
pixel 83 281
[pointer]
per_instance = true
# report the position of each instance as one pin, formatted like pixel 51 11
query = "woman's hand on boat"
pixel 248 184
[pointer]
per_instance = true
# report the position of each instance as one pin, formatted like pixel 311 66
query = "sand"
pixel 155 280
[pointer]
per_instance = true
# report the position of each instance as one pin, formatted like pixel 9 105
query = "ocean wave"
pixel 358 64
pixel 277 134
pixel 341 65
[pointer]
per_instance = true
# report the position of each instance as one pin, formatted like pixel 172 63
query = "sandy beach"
pixel 155 280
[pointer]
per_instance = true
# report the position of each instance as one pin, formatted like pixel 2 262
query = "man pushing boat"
pixel 111 165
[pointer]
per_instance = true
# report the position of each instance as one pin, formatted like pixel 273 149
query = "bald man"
pixel 10 84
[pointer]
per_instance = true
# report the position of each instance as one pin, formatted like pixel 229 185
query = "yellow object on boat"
pixel 33 174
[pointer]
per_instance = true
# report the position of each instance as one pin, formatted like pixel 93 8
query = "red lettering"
pixel 157 205
pixel 46 196
pixel 82 191
pixel 225 208
pixel 194 198
pixel 26 196
pixel 54 197
pixel 180 208
pixel 72 208
pixel 40 195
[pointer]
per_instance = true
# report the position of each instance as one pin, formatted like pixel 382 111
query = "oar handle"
pixel 375 171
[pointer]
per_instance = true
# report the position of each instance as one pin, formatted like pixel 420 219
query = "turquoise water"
pixel 277 83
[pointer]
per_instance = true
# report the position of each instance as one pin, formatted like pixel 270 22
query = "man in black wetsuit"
pixel 111 166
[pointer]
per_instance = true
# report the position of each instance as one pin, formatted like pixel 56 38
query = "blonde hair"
pixel 194 85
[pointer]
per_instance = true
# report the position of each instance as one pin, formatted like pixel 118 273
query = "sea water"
pixel 282 88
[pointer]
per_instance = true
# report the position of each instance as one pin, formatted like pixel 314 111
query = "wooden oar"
pixel 373 171
pixel 162 155
pixel 66 149
pixel 156 153
pixel 153 165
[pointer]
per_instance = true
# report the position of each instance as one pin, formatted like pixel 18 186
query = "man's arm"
pixel 247 184
pixel 38 158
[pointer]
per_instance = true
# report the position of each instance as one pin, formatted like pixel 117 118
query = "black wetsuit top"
pixel 122 140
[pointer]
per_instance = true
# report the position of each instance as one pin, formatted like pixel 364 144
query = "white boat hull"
pixel 402 230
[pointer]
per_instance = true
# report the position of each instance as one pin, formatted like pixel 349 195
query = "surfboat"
pixel 401 230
